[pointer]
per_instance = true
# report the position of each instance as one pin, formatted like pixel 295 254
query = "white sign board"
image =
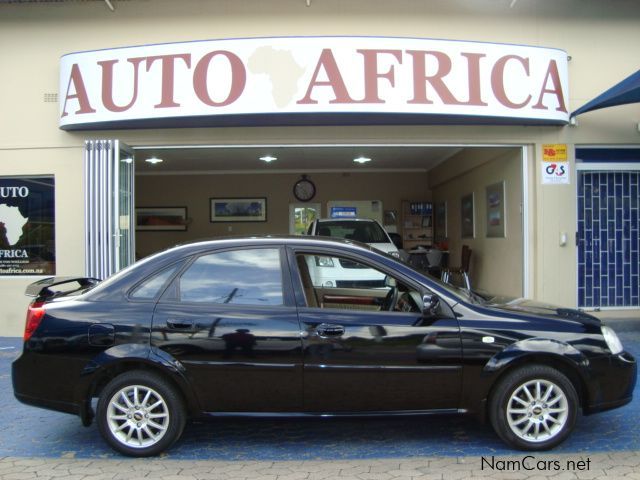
pixel 319 79
pixel 555 172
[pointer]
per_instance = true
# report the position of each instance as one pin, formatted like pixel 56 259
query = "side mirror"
pixel 430 302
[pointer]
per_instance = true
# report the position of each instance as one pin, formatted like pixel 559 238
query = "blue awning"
pixel 627 91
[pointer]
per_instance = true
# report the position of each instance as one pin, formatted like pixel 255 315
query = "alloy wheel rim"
pixel 537 410
pixel 137 416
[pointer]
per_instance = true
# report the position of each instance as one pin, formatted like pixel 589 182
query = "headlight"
pixel 395 254
pixel 324 262
pixel 613 342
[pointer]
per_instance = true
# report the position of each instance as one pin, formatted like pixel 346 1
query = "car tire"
pixel 139 414
pixel 533 408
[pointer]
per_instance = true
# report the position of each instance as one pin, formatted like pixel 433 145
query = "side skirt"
pixel 399 413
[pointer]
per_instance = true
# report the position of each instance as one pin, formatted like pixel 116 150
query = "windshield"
pixel 365 232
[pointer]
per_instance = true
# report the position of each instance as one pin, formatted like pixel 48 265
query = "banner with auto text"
pixel 27 226
pixel 313 80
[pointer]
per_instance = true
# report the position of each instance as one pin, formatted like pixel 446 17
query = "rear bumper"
pixel 64 407
pixel 616 376
pixel 37 381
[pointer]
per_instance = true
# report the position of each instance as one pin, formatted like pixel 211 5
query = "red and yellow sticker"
pixel 554 152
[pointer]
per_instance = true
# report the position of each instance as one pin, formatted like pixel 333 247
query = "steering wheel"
pixel 390 301
pixel 407 303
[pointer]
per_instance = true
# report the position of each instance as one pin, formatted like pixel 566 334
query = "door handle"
pixel 175 324
pixel 329 330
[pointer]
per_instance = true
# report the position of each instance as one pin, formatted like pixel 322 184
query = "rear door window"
pixel 235 277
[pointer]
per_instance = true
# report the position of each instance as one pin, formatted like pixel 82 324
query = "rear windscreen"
pixel 365 232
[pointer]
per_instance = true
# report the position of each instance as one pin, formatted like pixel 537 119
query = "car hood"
pixel 531 307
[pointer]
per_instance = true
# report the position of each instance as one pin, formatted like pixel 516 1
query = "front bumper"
pixel 616 376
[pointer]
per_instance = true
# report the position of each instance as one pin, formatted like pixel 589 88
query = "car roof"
pixel 171 255
pixel 200 245
pixel 346 220
pixel 240 240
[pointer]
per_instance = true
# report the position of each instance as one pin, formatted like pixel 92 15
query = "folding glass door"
pixel 109 207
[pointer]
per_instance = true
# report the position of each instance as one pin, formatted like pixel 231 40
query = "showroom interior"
pixel 389 177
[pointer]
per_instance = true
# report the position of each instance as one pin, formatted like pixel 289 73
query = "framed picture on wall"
pixel 238 209
pixel 161 219
pixel 441 220
pixel 468 227
pixel 495 210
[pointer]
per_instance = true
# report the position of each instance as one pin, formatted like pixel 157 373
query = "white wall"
pixel 601 37
pixel 496 263
pixel 66 167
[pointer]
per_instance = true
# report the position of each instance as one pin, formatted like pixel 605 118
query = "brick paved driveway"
pixel 612 466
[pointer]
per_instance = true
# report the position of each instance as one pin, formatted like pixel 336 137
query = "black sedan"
pixel 241 327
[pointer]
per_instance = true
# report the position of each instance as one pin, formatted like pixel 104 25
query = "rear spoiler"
pixel 42 289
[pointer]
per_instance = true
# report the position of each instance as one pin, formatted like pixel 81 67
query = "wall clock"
pixel 304 189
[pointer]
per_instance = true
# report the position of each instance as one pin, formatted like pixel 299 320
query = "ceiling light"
pixel 154 160
pixel 268 158
pixel 127 160
pixel 361 160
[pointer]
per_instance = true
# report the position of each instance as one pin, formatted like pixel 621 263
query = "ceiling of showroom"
pixel 290 159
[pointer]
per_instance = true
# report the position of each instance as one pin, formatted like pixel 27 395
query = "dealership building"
pixel 131 126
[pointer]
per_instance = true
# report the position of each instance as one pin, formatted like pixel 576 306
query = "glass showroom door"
pixel 301 215
pixel 109 207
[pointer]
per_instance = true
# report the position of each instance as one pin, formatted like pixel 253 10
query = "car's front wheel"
pixel 534 408
pixel 139 414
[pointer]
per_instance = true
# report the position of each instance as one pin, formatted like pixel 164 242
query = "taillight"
pixel 35 312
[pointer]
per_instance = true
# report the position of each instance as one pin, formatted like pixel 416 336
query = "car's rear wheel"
pixel 139 414
pixel 534 408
